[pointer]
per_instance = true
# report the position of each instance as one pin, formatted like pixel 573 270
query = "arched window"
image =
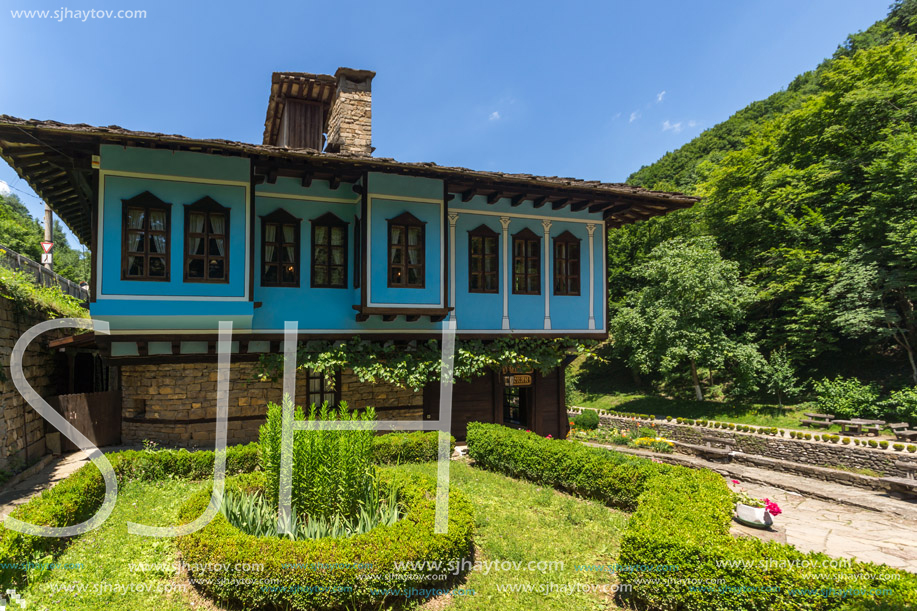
pixel 206 241
pixel 145 238
pixel 280 249
pixel 566 264
pixel 329 252
pixel 526 263
pixel 406 267
pixel 483 260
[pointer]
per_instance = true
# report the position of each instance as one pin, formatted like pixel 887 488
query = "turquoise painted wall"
pixel 183 178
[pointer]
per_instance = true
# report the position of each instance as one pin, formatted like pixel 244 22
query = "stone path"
pixel 841 531
pixel 818 516
pixel 58 469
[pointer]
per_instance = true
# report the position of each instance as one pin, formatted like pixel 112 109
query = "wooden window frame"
pixel 357 237
pixel 406 220
pixel 483 233
pixel 568 238
pixel 525 236
pixel 281 217
pixel 336 391
pixel 329 220
pixel 206 205
pixel 147 202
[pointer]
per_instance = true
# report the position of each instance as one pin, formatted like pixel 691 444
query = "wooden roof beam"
pixel 559 204
pixel 538 202
pixel 493 197
pixel 467 195
pixel 517 200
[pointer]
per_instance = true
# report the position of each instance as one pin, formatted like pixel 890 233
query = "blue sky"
pixel 593 90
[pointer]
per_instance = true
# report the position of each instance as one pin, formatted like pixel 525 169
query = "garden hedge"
pixel 78 497
pixel 676 551
pixel 350 572
pixel 400 448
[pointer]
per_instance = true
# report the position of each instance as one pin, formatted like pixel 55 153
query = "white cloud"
pixel 692 123
pixel 494 116
pixel 634 116
pixel 660 95
pixel 669 126
pixel 4 188
pixel 617 116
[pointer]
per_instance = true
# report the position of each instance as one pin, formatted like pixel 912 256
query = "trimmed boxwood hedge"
pixel 682 520
pixel 294 575
pixel 400 448
pixel 610 477
pixel 78 497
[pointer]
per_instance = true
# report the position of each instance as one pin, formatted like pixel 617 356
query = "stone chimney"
pixel 350 120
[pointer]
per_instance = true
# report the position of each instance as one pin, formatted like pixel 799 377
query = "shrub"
pixel 683 518
pixel 912 449
pixel 883 444
pixel 290 563
pixel 856 441
pixel 588 420
pixel 898 447
pixel 793 434
pixel 848 398
pixel 808 435
pixel 668 418
pixel 399 448
pixel 610 477
pixel 902 404
pixel 873 443
pixel 846 441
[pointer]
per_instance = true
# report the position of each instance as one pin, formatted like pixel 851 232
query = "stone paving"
pixel 841 531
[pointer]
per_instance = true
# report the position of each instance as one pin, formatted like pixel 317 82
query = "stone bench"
pixel 708 449
pixel 905 485
pixel 822 420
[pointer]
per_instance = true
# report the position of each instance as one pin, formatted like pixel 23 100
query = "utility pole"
pixel 49 220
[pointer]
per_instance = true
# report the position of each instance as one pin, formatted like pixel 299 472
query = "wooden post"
pixel 49 220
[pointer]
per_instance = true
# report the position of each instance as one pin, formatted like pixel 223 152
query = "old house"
pixel 309 226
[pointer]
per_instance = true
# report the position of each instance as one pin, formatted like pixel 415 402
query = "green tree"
pixel 780 376
pixel 685 311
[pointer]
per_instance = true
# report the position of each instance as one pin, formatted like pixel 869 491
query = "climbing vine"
pixel 417 363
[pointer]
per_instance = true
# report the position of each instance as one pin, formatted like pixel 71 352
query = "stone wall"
pixel 350 120
pixel 22 430
pixel 816 453
pixel 175 403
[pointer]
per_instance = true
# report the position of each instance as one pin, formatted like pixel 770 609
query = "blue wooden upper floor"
pixel 186 239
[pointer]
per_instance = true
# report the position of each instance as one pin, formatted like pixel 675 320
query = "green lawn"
pixel 108 557
pixel 787 417
pixel 516 521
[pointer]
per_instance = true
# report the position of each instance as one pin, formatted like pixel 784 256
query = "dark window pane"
pixel 289 274
pixel 490 246
pixel 135 266
pixel 337 276
pixel 413 275
pixel 321 255
pixel 320 275
pixel 217 269
pixel 216 247
pixel 157 267
pixel 337 236
pixel 397 235
pixel 134 241
pixel 270 273
pixel 196 268
pixel 475 246
pixel 395 275
pixel 321 234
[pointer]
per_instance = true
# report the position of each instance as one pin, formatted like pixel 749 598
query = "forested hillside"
pixel 810 196
pixel 22 233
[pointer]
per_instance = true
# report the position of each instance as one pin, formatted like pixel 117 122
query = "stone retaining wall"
pixel 22 430
pixel 816 453
pixel 180 395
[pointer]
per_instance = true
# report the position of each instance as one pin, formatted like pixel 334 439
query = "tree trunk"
pixel 697 391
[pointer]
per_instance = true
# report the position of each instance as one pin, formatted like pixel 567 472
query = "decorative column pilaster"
pixel 504 220
pixel 453 219
pixel 547 276
pixel 591 229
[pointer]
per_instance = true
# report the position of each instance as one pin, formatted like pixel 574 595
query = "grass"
pixel 517 522
pixel 21 288
pixel 757 414
pixel 105 574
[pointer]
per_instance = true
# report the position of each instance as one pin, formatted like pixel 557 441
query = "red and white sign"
pixel 47 246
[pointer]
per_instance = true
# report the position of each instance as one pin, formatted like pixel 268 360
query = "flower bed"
pixel 78 497
pixel 328 573
pixel 682 523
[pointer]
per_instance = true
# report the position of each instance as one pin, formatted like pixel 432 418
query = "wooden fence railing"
pixel 43 277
